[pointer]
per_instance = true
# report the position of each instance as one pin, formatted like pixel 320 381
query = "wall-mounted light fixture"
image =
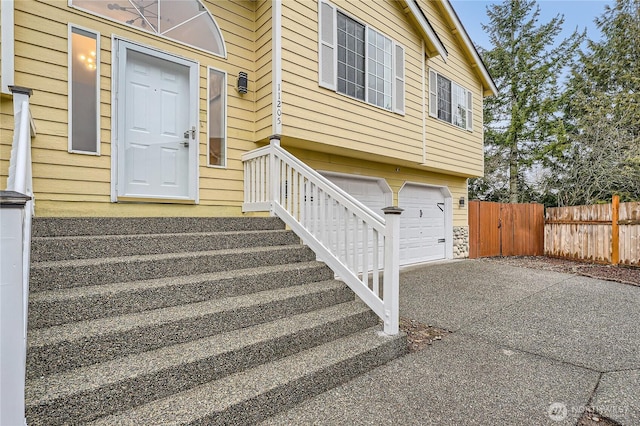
pixel 242 82
pixel 461 202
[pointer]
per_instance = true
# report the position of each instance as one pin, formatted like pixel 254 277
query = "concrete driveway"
pixel 528 347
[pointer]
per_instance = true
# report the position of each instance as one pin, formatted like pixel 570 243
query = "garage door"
pixel 373 193
pixel 422 224
pixel 369 192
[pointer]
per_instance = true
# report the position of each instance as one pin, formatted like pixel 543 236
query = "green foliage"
pixel 601 154
pixel 522 121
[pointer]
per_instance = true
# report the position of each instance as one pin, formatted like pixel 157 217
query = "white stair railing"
pixel 356 243
pixel 16 248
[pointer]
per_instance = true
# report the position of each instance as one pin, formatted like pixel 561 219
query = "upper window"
pixel 360 62
pixel 449 101
pixel 186 21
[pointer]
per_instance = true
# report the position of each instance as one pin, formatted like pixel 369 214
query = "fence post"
pixel 615 230
pixel 391 277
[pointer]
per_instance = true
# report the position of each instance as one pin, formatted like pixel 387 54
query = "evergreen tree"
pixel 522 120
pixel 601 154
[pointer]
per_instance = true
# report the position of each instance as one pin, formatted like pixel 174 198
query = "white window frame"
pixel 70 28
pixel 224 97
pixel 105 16
pixel 328 50
pixel 433 101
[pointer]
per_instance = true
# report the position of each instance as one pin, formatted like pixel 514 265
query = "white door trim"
pixel 448 213
pixel 118 46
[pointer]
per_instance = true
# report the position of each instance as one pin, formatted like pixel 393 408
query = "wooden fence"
pixel 497 229
pixel 606 233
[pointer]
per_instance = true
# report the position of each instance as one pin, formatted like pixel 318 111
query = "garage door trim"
pixel 448 212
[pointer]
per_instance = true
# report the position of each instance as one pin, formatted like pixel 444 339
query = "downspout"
pixel 7 71
pixel 276 68
pixel 424 105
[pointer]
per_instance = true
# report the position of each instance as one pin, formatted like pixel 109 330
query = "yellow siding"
pixel 448 146
pixel 316 114
pixel 80 184
pixel 263 70
pixel 395 176
pixel 329 131
pixel 321 115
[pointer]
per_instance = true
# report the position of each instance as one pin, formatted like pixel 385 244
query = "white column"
pixel 391 280
pixel 13 343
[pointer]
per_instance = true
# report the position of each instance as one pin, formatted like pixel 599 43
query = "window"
pixel 449 101
pixel 350 57
pixel 358 61
pixel 84 74
pixel 186 21
pixel 217 114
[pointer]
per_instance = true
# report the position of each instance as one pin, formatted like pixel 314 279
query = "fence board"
pixel 587 233
pixel 497 229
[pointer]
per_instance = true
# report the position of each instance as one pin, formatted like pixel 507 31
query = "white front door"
pixel 157 130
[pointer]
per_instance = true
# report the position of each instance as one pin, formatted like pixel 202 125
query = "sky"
pixel 577 13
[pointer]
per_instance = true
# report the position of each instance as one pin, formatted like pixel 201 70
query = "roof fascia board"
pixel 479 64
pixel 426 28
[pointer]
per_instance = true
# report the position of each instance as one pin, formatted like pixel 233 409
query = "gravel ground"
pixel 621 274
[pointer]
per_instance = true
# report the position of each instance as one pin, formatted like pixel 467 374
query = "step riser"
pixel 53 249
pixel 124 395
pixel 46 314
pixel 55 227
pixel 64 356
pixel 285 397
pixel 133 269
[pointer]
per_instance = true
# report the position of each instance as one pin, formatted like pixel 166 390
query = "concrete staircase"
pixel 149 321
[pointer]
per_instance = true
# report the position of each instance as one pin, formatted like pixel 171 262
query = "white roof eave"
pixel 426 28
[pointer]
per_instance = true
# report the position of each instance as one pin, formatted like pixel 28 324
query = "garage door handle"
pixel 420 212
pixel 441 240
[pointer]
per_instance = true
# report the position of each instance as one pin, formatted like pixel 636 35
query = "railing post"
pixel 391 280
pixel 274 173
pixel 12 306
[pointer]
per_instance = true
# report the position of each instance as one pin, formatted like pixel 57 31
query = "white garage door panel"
pixel 370 193
pixel 422 224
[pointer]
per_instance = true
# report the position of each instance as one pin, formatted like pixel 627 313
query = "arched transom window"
pixel 186 21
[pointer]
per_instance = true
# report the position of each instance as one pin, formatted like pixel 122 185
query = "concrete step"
pixel 68 346
pixel 87 247
pixel 56 307
pixel 84 394
pixel 73 226
pixel 86 272
pixel 252 395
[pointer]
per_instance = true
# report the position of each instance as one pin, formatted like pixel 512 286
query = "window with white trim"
pixel 450 102
pixel 358 61
pixel 84 91
pixel 217 118
pixel 186 21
